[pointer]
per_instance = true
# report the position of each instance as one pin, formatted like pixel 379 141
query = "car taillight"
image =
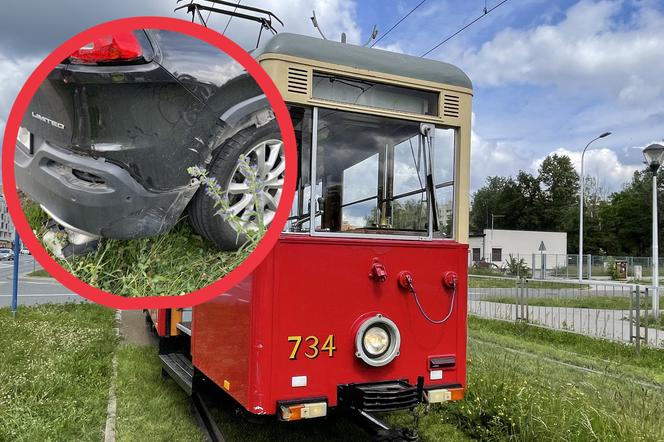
pixel 118 47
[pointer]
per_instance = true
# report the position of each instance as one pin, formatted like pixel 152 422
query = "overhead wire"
pixel 231 17
pixel 486 12
pixel 398 23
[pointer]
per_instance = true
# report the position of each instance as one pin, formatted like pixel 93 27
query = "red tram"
pixel 361 305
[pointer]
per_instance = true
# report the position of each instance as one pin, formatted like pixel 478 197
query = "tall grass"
pixel 523 396
pixel 174 263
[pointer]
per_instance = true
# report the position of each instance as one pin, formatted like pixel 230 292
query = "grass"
pixel 597 302
pixel 41 273
pixel 54 372
pixel 148 406
pixel 512 283
pixel 650 321
pixel 524 383
pixel 174 263
pixel 517 393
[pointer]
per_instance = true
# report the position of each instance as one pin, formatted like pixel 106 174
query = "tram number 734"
pixel 310 348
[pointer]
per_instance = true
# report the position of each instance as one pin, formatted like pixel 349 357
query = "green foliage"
pixel 517 267
pixel 616 224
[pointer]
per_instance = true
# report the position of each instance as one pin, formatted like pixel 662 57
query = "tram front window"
pixel 371 174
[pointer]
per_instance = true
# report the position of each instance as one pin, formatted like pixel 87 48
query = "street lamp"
pixel 654 154
pixel 605 134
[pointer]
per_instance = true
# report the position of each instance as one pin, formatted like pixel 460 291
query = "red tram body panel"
pixel 318 290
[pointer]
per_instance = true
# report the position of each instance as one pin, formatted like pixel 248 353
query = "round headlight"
pixel 377 341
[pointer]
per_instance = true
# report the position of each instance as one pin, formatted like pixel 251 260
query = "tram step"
pixel 180 368
pixel 184 327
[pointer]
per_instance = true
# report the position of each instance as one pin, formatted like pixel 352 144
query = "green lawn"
pixel 650 321
pixel 41 273
pixel 148 406
pixel 598 302
pixel 54 372
pixel 512 283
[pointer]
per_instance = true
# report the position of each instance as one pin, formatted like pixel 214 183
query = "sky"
pixel 548 76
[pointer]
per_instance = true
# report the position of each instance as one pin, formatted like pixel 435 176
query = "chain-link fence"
pixel 545 266
pixel 604 309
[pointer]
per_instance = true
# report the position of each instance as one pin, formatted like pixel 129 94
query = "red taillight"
pixel 119 47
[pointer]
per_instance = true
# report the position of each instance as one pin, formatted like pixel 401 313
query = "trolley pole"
pixel 17 256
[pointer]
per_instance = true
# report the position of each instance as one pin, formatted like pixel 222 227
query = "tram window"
pixel 445 206
pixel 371 94
pixel 361 161
pixel 443 158
pixel 298 220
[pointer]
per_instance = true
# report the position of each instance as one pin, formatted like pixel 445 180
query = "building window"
pixel 476 255
pixel 496 255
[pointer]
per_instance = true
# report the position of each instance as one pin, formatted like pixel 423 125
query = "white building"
pixel 6 225
pixel 495 246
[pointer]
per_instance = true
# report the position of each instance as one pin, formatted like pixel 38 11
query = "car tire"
pixel 252 142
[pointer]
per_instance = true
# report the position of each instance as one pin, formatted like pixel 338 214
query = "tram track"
pixel 206 421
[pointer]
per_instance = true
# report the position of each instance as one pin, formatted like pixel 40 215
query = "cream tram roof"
pixel 360 57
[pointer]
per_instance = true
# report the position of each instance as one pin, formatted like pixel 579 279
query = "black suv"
pixel 106 141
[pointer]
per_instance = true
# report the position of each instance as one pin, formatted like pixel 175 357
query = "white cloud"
pixel 602 164
pixel 493 158
pixel 333 16
pixel 13 74
pixel 590 49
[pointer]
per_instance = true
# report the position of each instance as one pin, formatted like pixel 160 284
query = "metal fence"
pixel 543 265
pixel 604 309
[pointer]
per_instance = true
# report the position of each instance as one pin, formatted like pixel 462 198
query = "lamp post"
pixel 654 154
pixel 583 154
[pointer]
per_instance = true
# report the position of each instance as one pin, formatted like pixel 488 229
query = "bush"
pixel 517 267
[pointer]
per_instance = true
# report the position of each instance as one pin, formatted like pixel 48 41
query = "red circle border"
pixel 149 302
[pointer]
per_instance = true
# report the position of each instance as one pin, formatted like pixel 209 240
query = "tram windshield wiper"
pixel 427 131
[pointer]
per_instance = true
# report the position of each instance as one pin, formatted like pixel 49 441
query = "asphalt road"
pixel 32 291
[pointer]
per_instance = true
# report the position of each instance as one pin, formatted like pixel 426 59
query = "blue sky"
pixel 548 75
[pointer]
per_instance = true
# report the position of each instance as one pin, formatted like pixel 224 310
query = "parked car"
pixel 6 254
pixel 106 141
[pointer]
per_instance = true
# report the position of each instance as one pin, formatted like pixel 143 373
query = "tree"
pixel 560 184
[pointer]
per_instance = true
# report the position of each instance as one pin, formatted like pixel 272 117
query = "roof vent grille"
pixel 451 106
pixel 297 80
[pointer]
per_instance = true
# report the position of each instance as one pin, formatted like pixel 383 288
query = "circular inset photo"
pixel 146 157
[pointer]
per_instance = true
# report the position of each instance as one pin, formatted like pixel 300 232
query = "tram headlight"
pixel 377 341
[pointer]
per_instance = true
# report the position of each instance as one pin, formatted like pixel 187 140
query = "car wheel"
pixel 265 151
